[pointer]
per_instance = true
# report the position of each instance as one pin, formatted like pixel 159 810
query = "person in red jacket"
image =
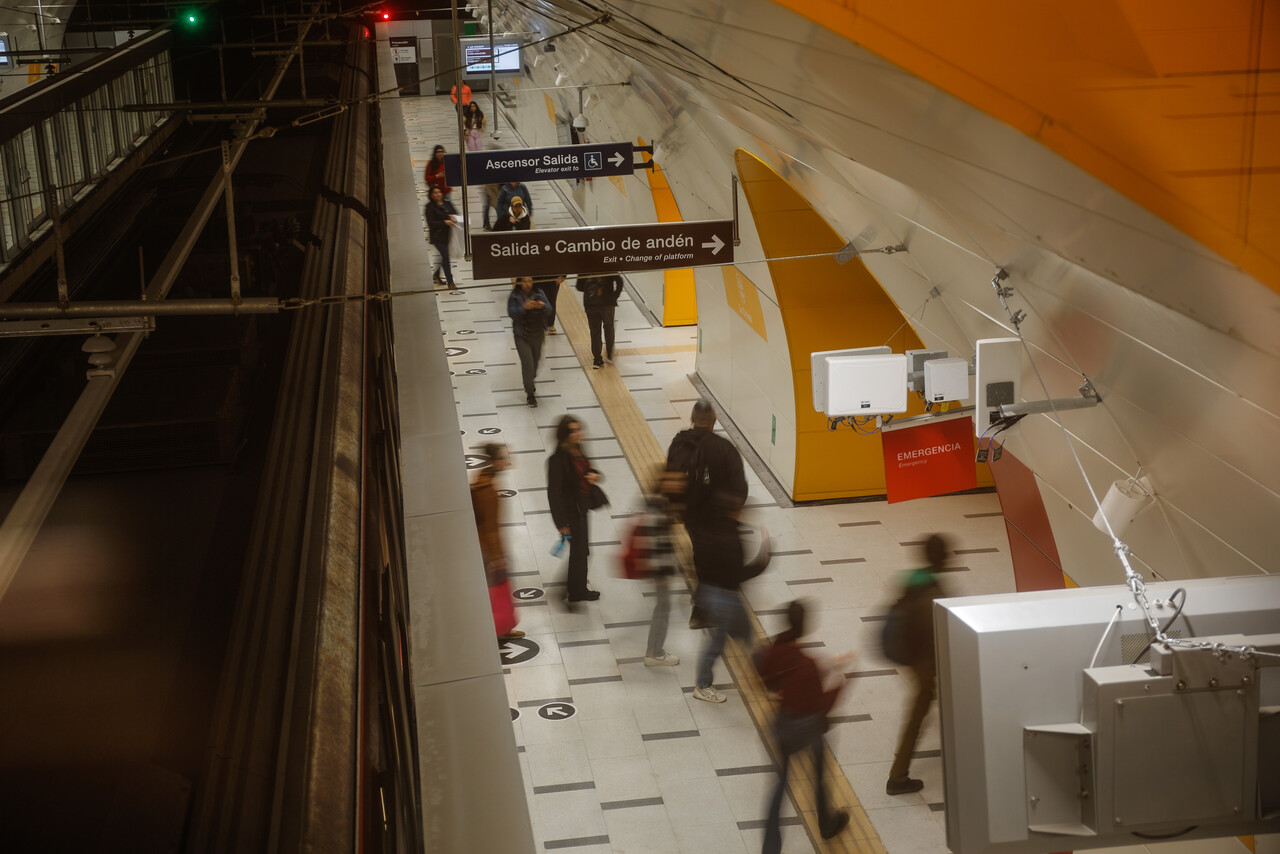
pixel 435 172
pixel 802 719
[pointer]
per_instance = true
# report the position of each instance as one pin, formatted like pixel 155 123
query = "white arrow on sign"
pixel 509 651
pixel 528 593
pixel 715 245
pixel 557 711
pixel 617 158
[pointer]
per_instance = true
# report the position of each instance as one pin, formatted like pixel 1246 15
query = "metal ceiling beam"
pixel 28 513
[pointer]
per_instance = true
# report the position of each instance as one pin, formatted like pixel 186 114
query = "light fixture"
pixel 1124 502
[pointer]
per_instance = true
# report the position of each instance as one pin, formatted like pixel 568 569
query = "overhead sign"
pixel 932 459
pixel 404 49
pixel 610 249
pixel 563 162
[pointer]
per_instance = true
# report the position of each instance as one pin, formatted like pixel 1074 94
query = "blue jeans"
pixel 794 734
pixel 661 616
pixel 443 249
pixel 729 618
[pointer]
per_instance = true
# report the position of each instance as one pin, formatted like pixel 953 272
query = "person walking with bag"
pixel 920 589
pixel 572 491
pixel 528 310
pixel 803 705
pixel 440 220
pixel 600 300
pixel 653 541
pixel 484 503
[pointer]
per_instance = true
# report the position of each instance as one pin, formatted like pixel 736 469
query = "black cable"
pixel 1173 835
pixel 1165 627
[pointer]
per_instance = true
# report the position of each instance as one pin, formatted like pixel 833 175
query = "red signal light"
pixel 386 16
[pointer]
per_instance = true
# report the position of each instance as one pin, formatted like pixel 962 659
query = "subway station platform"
pixel 617 756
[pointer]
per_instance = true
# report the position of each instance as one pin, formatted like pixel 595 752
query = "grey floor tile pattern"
pixel 642 765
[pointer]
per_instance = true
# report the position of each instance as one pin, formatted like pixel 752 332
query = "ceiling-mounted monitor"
pixel 504 61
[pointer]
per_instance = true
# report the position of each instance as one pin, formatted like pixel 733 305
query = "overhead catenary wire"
pixel 1133 579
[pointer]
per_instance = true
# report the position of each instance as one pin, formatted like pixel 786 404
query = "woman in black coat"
pixel 440 219
pixel 569 481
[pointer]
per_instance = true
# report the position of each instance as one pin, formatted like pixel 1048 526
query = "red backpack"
pixel 635 563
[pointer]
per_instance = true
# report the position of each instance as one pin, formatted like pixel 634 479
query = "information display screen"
pixel 479 62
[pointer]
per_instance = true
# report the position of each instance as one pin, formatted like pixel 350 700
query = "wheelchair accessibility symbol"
pixel 595 160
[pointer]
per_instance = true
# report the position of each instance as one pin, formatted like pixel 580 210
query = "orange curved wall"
pixel 1173 103
pixel 824 306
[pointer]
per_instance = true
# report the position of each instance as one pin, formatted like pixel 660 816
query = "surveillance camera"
pixel 580 122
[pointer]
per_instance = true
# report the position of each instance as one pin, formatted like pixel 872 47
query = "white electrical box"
pixel 866 385
pixel 915 364
pixel 946 379
pixel 818 364
pixel 998 365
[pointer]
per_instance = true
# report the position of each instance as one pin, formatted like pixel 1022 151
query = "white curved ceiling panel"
pixel 1183 347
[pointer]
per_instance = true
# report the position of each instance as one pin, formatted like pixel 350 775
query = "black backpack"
pixel 688 457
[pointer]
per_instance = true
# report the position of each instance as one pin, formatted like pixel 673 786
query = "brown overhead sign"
pixel 607 249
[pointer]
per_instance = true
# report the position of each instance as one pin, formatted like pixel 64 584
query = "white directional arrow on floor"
pixel 557 711
pixel 715 245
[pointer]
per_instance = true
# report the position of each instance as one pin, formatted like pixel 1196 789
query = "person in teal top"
pixel 921 588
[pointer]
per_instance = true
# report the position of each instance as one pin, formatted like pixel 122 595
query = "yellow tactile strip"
pixel 642 451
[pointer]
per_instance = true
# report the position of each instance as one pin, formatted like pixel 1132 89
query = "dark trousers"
pixel 443 249
pixel 794 734
pixel 600 320
pixel 925 675
pixel 530 351
pixel 552 290
pixel 579 548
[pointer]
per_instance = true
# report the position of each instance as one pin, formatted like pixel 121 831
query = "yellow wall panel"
pixel 679 291
pixel 744 298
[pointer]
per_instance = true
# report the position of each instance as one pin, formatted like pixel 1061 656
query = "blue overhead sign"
pixel 564 162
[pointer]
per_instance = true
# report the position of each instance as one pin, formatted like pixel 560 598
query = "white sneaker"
pixel 659 660
pixel 551 330
pixel 709 694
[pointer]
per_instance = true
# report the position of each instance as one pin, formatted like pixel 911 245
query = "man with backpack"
pixel 908 640
pixel 715 490
pixel 805 698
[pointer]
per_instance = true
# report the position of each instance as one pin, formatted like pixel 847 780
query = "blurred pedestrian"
pixel 528 310
pixel 516 217
pixel 441 218
pixel 473 123
pixel 490 202
pixel 484 502
pixel 803 705
pixel 921 587
pixel 550 285
pixel 654 542
pixel 572 491
pixel 600 300
pixel 435 172
pixel 715 488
